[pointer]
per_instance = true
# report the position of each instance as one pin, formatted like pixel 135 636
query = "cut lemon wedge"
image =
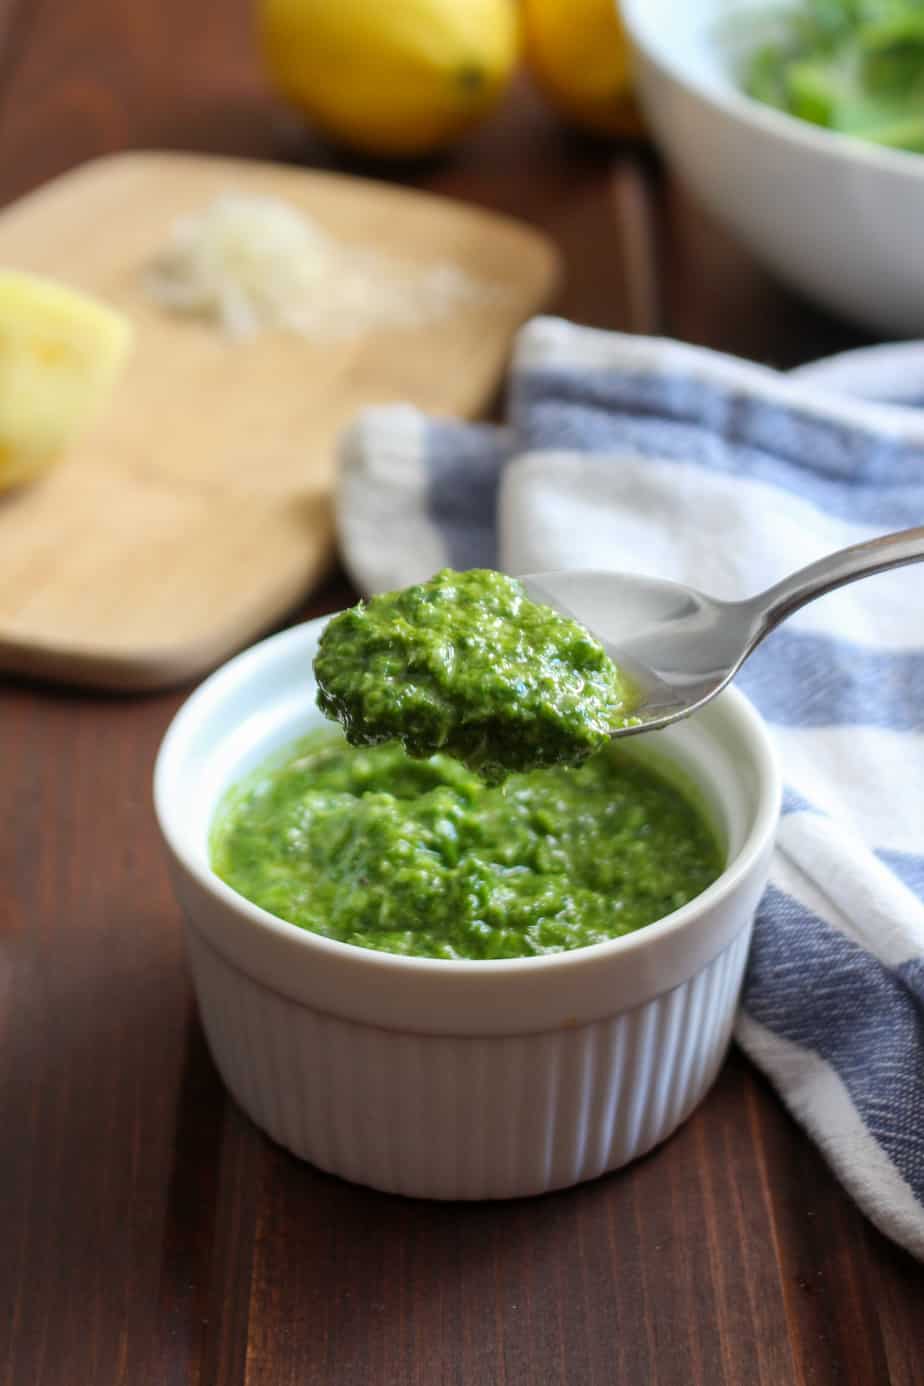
pixel 60 352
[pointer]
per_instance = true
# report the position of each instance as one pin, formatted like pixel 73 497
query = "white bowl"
pixel 836 217
pixel 457 1079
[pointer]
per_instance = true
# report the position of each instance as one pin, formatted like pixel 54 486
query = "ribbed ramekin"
pixel 444 1079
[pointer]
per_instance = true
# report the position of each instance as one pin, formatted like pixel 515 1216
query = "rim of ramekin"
pixel 235 671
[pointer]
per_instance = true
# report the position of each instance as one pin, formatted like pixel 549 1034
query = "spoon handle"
pixel 835 570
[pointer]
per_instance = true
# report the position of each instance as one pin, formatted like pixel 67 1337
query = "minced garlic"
pixel 253 263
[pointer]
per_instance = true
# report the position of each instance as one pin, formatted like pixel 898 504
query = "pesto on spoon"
pixel 466 664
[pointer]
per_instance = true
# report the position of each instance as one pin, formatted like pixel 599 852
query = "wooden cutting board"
pixel 198 509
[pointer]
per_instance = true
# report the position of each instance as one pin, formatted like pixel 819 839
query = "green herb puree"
pixel 465 663
pixel 422 857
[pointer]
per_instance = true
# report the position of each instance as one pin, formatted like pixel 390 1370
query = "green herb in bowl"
pixel 854 66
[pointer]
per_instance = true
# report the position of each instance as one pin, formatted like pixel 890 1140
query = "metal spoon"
pixel 680 647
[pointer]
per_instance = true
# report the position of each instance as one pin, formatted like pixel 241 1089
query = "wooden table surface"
pixel 148 1232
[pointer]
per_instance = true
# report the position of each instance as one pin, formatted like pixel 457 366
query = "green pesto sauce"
pixel 466 664
pixel 422 857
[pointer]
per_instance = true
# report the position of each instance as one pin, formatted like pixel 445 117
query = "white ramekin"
pixel 458 1079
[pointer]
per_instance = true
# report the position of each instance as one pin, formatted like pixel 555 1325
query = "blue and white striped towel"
pixel 655 457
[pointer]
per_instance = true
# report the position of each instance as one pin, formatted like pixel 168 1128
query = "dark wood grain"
pixel 148 1233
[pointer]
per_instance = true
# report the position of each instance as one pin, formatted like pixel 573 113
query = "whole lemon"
pixel 578 53
pixel 397 77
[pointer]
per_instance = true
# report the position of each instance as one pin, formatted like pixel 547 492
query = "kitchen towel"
pixel 646 455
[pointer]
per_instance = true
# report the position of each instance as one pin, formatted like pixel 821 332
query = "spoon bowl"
pixel 679 647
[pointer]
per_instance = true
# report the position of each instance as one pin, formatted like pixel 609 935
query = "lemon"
pixel 578 54
pixel 60 351
pixel 398 77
